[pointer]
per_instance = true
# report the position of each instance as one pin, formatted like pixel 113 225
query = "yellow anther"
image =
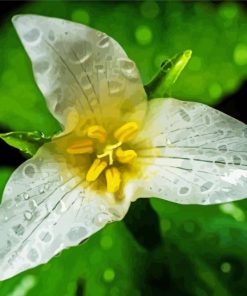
pixel 81 147
pixel 126 131
pixel 113 179
pixel 125 156
pixel 95 170
pixel 97 132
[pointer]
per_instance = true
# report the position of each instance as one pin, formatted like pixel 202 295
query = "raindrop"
pixel 184 115
pixel 206 186
pixel 41 67
pixel 128 68
pixel 45 237
pixel 104 42
pixel 25 195
pixel 32 35
pixel 33 255
pixel 51 35
pixel 101 219
pixel 114 87
pixel 29 170
pixel 222 148
pixel 77 233
pixel 184 190
pixel 19 230
pixel 28 215
pixel 245 132
pixel 5 247
pixel 236 160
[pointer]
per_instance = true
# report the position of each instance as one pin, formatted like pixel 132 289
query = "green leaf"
pixel 27 142
pixel 162 83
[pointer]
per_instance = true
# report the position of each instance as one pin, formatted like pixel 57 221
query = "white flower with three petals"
pixel 116 146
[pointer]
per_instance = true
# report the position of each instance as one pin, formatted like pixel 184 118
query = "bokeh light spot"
pixel 81 16
pixel 143 35
pixel 106 242
pixel 225 267
pixel 149 9
pixel 215 90
pixel 109 275
pixel 165 225
pixel 229 10
pixel 240 54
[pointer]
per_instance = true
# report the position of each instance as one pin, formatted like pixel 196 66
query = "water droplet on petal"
pixel 28 215
pixel 77 233
pixel 101 219
pixel 19 230
pixel 25 195
pixel 45 236
pixel 104 42
pixel 33 255
pixel 32 35
pixel 128 68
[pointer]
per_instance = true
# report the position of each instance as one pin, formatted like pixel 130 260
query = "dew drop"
pixel 77 233
pixel 32 35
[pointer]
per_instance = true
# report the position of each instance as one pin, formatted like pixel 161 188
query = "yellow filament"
pixel 95 170
pixel 81 147
pixel 97 132
pixel 125 156
pixel 113 179
pixel 126 131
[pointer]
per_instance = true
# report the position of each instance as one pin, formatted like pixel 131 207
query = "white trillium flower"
pixel 116 146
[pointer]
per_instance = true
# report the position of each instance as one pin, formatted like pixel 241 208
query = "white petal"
pixel 45 211
pixel 81 69
pixel 200 155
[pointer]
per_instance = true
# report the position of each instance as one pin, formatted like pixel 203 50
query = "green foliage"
pixel 27 142
pixel 161 85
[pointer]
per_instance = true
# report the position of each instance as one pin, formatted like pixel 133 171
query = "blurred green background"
pixel 162 249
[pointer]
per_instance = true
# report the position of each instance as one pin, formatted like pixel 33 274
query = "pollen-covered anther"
pixel 81 147
pixel 96 169
pixel 97 132
pixel 126 131
pixel 125 156
pixel 113 179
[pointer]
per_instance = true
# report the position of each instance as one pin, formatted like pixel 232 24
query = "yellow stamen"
pixel 97 132
pixel 113 179
pixel 125 156
pixel 126 131
pixel 81 147
pixel 95 170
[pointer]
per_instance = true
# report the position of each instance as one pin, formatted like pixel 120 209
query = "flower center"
pixel 113 154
